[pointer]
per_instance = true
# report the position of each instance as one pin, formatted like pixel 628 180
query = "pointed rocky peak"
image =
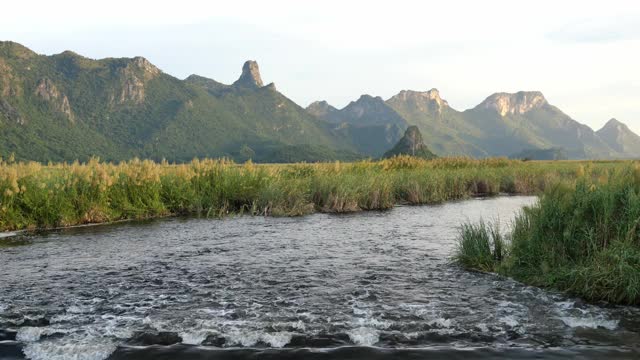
pixel 146 66
pixel 250 77
pixel 614 124
pixel 411 144
pixel 321 109
pixel 620 138
pixel 615 129
pixel 424 101
pixel 514 103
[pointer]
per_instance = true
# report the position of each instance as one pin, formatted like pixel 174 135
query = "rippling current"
pixel 375 285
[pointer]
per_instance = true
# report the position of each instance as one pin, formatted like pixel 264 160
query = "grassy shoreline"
pixel 581 238
pixel 37 196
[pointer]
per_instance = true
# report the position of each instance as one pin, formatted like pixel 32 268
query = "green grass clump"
pixel 481 246
pixel 583 238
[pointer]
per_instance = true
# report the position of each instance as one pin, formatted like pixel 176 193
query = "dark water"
pixel 363 286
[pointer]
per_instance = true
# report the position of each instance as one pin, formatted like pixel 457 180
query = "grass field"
pixel 34 196
pixel 582 237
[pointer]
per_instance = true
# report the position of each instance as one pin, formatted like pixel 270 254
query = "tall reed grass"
pixel 33 195
pixel 583 238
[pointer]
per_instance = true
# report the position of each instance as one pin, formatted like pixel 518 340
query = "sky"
pixel 583 55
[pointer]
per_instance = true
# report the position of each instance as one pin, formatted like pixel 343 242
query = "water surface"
pixel 361 286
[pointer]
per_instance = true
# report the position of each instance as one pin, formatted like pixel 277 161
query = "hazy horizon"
pixel 582 56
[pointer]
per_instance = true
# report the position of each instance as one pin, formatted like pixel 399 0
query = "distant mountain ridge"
pixel 503 124
pixel 65 107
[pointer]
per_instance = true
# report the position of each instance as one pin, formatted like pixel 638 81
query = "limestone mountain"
pixel 368 123
pixel 368 111
pixel 512 122
pixel 502 125
pixel 411 144
pixel 445 129
pixel 620 138
pixel 66 107
pixel 250 76
pixel 322 110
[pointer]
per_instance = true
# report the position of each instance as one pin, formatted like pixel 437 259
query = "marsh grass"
pixel 481 246
pixel 583 238
pixel 34 195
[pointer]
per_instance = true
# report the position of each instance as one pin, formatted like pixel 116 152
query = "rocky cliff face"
pixel 322 110
pixel 424 101
pixel 133 77
pixel 250 77
pixel 8 83
pixel 48 91
pixel 510 104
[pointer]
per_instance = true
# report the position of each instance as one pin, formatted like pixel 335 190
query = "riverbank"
pixel 582 238
pixel 37 196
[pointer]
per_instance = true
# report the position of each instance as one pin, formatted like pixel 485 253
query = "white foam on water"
pixel 441 322
pixel 58 318
pixel 74 350
pixel 509 307
pixel 509 320
pixel 8 234
pixel 359 311
pixel 364 336
pixel 30 334
pixel 81 309
pixel 373 322
pixel 590 322
pixel 251 338
pixel 482 327
pixel 565 305
pixel 244 338
pixel 298 325
pixel 193 337
pixel 216 312
pixel 277 340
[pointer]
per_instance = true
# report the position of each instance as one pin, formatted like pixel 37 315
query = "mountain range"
pixel 65 107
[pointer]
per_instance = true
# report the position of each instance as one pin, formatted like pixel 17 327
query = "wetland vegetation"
pixel 35 196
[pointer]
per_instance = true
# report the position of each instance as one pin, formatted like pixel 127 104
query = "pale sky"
pixel 583 55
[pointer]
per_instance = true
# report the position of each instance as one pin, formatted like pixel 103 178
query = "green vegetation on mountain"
pixel 504 124
pixel 368 123
pixel 620 138
pixel 411 144
pixel 445 129
pixel 66 107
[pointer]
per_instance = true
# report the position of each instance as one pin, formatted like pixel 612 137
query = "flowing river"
pixel 373 285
